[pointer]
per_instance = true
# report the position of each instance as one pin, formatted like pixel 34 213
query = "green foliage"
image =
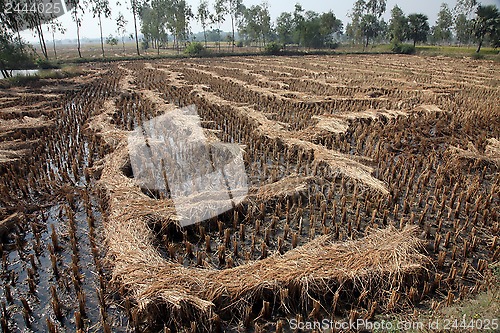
pixel 46 64
pixel 418 28
pixel 442 30
pixel 195 49
pixel 463 29
pixel 112 41
pixel 273 48
pixel 160 17
pixel 256 24
pixel 403 48
pixel 398 25
pixel 370 27
pixel 14 54
pixel 311 29
pixel 487 24
pixel 239 43
pixel 284 28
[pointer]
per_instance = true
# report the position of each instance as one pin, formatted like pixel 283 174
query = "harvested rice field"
pixel 373 190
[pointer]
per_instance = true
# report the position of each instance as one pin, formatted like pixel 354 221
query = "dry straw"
pixel 378 263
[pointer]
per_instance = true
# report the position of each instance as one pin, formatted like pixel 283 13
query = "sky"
pixel 341 9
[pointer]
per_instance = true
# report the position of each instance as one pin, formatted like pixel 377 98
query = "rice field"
pixel 373 190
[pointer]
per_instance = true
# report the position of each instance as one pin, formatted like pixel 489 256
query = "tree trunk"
pixel 218 37
pixel 205 35
pixel 414 42
pixel 479 46
pixel 77 33
pixel 42 44
pixel 135 26
pixel 54 45
pixel 232 41
pixel 123 44
pixel 102 41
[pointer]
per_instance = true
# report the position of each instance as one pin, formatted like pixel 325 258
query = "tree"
pixel 444 23
pixel 76 8
pixel 112 41
pixel 265 21
pixel 418 28
pixel 353 29
pixel 121 24
pixel 203 16
pixel 376 7
pixel 463 29
pixel 370 27
pixel 366 12
pixel 235 10
pixel 466 7
pixel 135 6
pixel 299 24
pixel 182 14
pixel 330 26
pixel 256 25
pixel 486 24
pixel 220 11
pixel 284 28
pixel 100 8
pixel 53 27
pixel 13 53
pixel 398 25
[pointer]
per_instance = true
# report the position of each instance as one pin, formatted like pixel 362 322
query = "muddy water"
pixel 15 274
pixel 58 184
pixel 22 72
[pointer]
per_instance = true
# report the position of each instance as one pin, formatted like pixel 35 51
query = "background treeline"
pixel 161 24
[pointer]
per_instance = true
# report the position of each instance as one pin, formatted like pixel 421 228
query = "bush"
pixel 477 56
pixel 239 44
pixel 332 45
pixel 403 48
pixel 273 48
pixel 46 64
pixel 195 49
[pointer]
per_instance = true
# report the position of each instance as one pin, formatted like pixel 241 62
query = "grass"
pixel 68 54
pixel 487 53
pixel 24 80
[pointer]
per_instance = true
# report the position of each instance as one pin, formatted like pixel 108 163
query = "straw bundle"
pixel 491 153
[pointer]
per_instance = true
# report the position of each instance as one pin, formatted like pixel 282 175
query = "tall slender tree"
pixel 77 8
pixel 53 27
pixel 299 23
pixel 398 25
pixel 121 24
pixel 100 8
pixel 203 16
pixel 235 9
pixel 444 24
pixel 284 28
pixel 135 5
pixel 220 10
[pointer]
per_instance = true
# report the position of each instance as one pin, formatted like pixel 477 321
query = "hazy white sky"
pixel 90 28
